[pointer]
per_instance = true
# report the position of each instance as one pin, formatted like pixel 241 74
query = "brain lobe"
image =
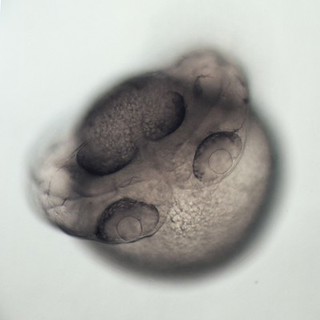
pixel 168 169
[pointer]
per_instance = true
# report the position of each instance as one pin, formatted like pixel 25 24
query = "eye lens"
pixel 129 228
pixel 216 155
pixel 127 220
pixel 220 161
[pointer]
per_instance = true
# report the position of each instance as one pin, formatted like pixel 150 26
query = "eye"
pixel 163 115
pixel 127 220
pixel 103 160
pixel 216 156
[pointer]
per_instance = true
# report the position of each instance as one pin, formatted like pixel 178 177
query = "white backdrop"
pixel 55 56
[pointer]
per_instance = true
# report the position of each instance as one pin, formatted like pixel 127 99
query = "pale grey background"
pixel 56 55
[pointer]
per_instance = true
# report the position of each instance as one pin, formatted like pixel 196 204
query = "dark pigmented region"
pixel 141 108
pixel 100 160
pixel 164 116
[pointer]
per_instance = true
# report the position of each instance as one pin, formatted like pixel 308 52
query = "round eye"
pixel 216 156
pixel 163 115
pixel 127 220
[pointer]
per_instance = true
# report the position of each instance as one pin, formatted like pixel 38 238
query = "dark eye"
pixel 127 220
pixel 216 156
pixel 163 115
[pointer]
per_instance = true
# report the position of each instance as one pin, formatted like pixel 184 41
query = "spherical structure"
pixel 168 169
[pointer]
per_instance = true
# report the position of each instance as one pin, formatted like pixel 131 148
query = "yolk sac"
pixel 169 170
